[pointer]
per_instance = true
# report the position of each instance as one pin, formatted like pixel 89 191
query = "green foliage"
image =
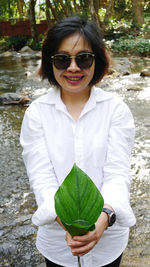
pixel 8 9
pixel 2 44
pixel 78 202
pixel 123 10
pixel 123 37
pixel 16 42
pixel 131 45
pixel 36 46
pixel 119 5
pixel 117 29
pixel 101 13
pixel 145 29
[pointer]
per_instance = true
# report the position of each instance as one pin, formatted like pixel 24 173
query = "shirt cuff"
pixel 45 214
pixel 124 214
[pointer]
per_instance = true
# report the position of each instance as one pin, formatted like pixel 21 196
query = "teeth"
pixel 74 78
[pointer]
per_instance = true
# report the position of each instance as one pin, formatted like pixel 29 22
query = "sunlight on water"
pixel 145 94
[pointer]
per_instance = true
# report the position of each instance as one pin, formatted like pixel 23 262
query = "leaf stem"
pixel 79 263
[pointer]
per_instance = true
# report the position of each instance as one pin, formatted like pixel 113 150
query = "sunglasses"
pixel 83 60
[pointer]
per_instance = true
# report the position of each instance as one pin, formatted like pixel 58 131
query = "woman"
pixel 78 122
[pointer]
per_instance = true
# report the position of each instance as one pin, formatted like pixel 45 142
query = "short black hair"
pixel 64 28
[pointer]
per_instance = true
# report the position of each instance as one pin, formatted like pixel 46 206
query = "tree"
pixel 47 13
pixel 6 8
pixel 33 22
pixel 53 10
pixel 64 7
pixel 93 9
pixel 20 4
pixel 119 8
pixel 109 9
pixel 137 6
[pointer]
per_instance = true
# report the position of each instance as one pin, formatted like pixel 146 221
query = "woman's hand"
pixel 59 221
pixel 80 245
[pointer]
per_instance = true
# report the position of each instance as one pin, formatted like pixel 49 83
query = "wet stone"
pixel 7 248
pixel 2 232
pixel 13 98
pixel 145 73
pixel 134 88
pixel 23 232
pixel 1 210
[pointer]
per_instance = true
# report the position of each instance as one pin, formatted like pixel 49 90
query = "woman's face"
pixel 73 79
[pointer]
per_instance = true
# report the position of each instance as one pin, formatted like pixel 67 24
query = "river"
pixel 17 234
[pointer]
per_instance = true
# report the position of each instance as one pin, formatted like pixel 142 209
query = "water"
pixel 17 235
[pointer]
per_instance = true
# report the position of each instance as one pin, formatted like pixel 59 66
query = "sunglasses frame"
pixel 70 57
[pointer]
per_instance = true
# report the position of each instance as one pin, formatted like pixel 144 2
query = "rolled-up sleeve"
pixel 39 167
pixel 117 177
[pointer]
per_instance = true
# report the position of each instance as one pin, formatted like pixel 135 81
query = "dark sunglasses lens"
pixel 61 62
pixel 84 61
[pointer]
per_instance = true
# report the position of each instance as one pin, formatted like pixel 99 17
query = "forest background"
pixel 125 24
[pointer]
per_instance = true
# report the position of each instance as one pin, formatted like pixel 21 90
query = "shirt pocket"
pixel 99 149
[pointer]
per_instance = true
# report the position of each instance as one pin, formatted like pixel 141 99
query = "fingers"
pixel 68 237
pixel 90 236
pixel 75 244
pixel 80 251
pixel 83 238
pixel 81 245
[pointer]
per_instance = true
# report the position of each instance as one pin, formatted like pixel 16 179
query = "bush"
pixel 2 44
pixel 16 42
pixel 138 46
pixel 38 45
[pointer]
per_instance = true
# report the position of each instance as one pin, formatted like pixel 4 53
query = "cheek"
pixel 90 73
pixel 57 73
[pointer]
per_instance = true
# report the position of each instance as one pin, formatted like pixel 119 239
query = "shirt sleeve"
pixel 117 177
pixel 39 167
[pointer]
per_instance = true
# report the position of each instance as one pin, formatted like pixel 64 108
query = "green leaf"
pixel 78 202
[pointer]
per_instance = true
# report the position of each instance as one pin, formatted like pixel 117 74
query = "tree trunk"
pixel 94 13
pixel 33 22
pixel 20 4
pixel 138 18
pixel 52 9
pixel 109 9
pixel 47 14
pixel 96 5
pixel 9 10
pixel 103 3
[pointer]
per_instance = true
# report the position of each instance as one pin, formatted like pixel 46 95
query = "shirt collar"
pixel 97 95
pixel 101 95
pixel 53 96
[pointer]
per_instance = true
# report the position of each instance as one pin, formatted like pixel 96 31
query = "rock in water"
pixel 13 98
pixel 26 49
pixel 145 73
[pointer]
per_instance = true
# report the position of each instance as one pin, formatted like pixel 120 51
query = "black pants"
pixel 115 263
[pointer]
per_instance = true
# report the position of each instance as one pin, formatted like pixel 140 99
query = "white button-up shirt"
pixel 100 143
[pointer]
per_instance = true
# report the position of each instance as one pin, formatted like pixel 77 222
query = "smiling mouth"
pixel 74 78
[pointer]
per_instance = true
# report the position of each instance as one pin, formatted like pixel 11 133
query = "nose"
pixel 73 67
